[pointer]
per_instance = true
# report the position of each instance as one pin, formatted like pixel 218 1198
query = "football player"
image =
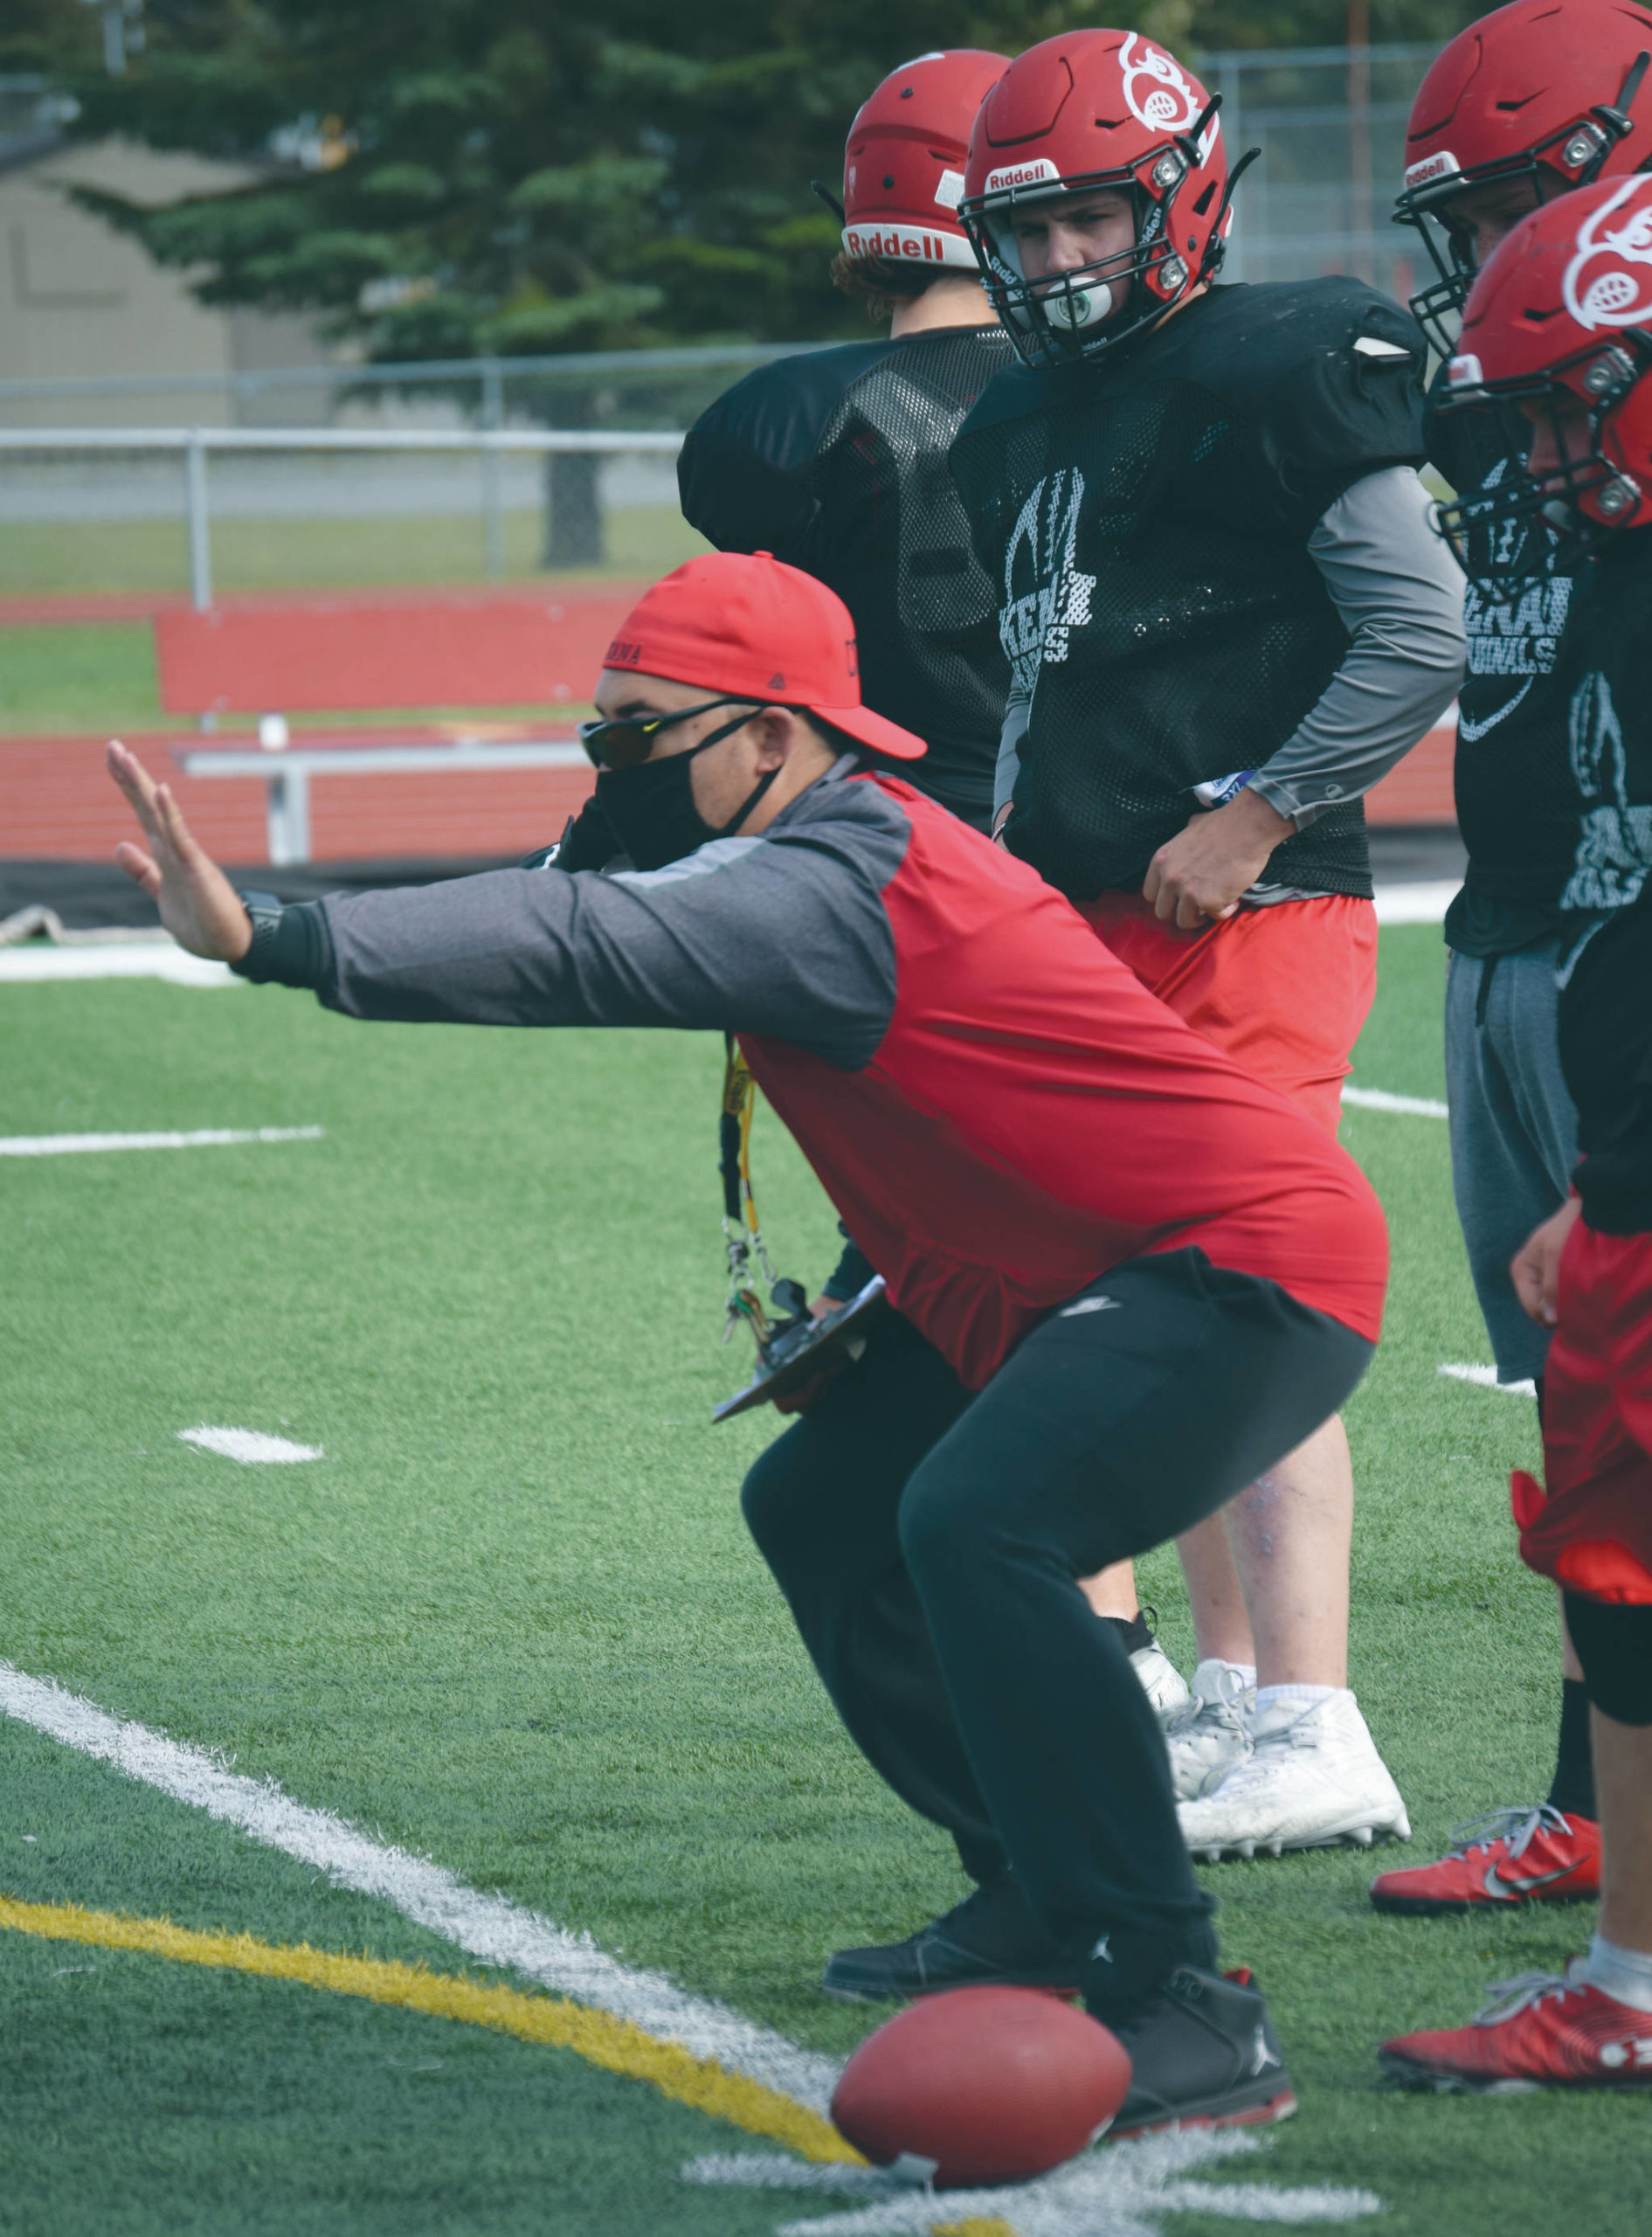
pixel 836 461
pixel 1080 1206
pixel 1559 325
pixel 1226 617
pixel 1525 104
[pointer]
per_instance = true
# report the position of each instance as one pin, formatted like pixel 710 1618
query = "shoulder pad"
pixel 1263 335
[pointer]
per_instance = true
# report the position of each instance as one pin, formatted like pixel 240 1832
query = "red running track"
pixel 56 803
pixel 69 607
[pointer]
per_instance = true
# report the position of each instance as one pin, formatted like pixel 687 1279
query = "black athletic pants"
pixel 928 1544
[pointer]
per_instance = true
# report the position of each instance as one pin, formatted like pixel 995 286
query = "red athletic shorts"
pixel 1284 990
pixel 1592 1532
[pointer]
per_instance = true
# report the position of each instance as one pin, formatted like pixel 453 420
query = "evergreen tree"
pixel 453 178
pixel 456 179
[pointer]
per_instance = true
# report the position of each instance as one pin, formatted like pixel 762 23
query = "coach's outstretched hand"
pixel 199 906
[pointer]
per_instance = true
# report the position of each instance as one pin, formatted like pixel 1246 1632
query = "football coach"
pixel 1127 1277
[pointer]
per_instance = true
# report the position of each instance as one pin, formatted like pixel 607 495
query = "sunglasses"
pixel 625 741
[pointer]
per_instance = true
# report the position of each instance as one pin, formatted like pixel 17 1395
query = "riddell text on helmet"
pixel 1041 171
pixel 1443 164
pixel 896 241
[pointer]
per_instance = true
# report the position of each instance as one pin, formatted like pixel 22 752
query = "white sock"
pixel 1624 1975
pixel 1247 1670
pixel 1301 1696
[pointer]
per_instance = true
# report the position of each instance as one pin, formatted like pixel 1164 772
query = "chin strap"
pixel 818 187
pixel 1188 141
pixel 1215 246
pixel 1615 117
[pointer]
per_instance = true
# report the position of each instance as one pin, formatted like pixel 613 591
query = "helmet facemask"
pixel 1573 157
pixel 1525 525
pixel 1065 317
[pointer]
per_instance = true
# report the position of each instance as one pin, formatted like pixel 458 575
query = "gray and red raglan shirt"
pixel 997 1107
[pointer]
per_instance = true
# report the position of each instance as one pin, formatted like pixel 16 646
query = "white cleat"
pixel 1211 1733
pixel 1311 1777
pixel 1162 1682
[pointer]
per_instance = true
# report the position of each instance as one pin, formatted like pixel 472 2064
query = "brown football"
pixel 986 2084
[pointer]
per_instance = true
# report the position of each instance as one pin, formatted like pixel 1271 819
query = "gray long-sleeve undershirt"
pixel 1400 595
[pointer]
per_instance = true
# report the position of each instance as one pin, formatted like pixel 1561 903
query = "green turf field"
pixel 37 557
pixel 511 1621
pixel 92 678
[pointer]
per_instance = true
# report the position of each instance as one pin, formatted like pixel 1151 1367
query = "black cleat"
pixel 993 1937
pixel 1203 2054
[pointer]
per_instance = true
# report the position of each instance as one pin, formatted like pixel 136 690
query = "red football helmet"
pixel 1561 320
pixel 903 166
pixel 1094 108
pixel 1541 91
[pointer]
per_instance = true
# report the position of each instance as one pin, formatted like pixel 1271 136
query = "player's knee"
pixel 1614 1641
pixel 946 1524
pixel 776 1493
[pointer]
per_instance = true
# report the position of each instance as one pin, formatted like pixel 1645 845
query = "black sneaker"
pixel 993 1937
pixel 1203 2054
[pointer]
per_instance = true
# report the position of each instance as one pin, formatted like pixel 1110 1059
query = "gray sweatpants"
pixel 1514 1132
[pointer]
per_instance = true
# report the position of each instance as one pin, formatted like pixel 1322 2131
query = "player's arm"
pixel 1535 1268
pixel 1018 713
pixel 1398 592
pixel 743 473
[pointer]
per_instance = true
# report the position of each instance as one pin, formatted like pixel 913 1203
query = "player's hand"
pixel 198 906
pixel 1535 1268
pixel 1200 875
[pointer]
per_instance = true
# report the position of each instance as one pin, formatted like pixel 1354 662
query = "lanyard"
pixel 742 1230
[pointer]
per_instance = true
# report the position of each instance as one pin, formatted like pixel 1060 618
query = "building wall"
pixel 78 299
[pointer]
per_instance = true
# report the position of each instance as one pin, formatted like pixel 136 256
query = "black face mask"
pixel 651 807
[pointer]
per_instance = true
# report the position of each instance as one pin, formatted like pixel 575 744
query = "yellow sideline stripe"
pixel 597 2037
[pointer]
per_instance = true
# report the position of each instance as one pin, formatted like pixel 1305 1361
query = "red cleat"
pixel 1513 1856
pixel 1538 2030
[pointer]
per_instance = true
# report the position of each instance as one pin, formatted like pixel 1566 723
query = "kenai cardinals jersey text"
pixel 1516 806
pixel 1606 998
pixel 1147 521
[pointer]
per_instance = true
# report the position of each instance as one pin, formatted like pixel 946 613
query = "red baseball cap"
pixel 746 624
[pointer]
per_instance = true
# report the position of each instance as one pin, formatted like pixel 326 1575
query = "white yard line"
pixel 202 1138
pixel 1424 903
pixel 115 959
pixel 1377 1098
pixel 1121 2190
pixel 246 1445
pixel 1463 1371
pixel 489 1927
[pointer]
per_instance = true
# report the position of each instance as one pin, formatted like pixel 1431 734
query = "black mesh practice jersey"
pixel 1147 523
pixel 1516 805
pixel 1606 1001
pixel 835 460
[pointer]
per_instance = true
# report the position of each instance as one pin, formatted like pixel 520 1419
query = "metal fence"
pixel 488 467
pixel 187 450
pixel 1330 122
